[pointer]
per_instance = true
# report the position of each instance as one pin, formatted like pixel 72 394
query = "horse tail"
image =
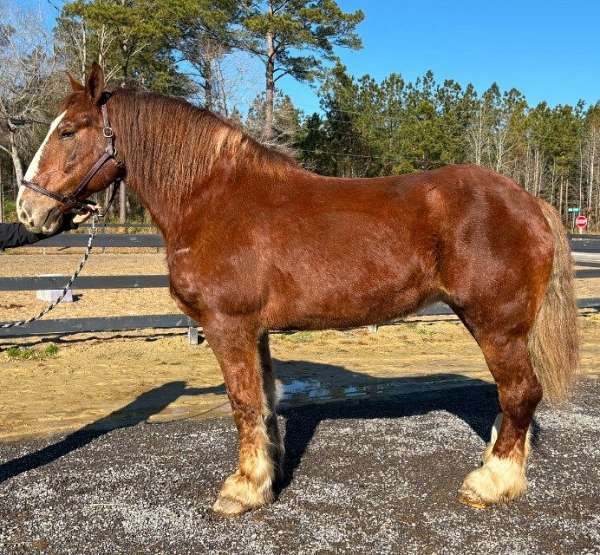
pixel 554 338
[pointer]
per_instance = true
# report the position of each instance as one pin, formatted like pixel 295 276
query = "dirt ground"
pixel 103 379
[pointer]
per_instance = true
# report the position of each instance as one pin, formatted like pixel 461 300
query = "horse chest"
pixel 185 280
pixel 199 285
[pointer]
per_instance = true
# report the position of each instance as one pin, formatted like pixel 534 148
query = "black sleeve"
pixel 17 235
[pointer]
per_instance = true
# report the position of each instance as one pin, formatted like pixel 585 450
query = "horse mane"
pixel 169 143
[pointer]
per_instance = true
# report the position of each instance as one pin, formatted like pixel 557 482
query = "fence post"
pixel 193 335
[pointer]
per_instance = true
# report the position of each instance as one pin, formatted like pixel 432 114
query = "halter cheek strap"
pixel 72 202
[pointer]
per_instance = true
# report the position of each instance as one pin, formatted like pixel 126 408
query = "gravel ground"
pixel 370 476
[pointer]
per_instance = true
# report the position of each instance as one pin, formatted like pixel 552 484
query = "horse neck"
pixel 176 157
pixel 153 165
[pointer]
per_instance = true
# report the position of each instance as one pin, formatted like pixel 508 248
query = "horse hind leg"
pixel 270 400
pixel 494 437
pixel 502 478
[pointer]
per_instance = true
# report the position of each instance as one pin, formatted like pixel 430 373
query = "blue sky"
pixel 549 50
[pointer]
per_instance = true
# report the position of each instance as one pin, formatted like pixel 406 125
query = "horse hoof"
pixel 226 506
pixel 471 499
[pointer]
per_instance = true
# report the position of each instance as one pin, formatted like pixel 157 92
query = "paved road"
pixel 368 476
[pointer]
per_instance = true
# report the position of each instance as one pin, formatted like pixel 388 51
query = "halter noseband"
pixel 72 201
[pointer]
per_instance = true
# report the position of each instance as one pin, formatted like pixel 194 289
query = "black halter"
pixel 72 201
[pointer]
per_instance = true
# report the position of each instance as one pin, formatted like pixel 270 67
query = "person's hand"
pixel 80 218
pixel 73 221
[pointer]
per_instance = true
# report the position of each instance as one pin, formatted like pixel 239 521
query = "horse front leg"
pixel 242 352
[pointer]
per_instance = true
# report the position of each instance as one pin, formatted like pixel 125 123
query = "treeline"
pixel 368 128
pixel 199 50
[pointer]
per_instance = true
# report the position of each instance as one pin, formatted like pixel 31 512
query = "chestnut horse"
pixel 254 242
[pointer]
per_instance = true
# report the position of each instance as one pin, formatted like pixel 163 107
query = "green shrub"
pixel 27 353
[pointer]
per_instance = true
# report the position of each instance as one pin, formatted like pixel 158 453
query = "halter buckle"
pixel 108 132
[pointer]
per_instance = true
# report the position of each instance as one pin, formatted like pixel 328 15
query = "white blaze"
pixel 32 170
pixel 34 166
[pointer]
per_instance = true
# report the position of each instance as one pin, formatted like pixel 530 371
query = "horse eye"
pixel 66 134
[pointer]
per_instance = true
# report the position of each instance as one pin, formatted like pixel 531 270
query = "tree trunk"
pixel 207 70
pixel 270 91
pixel 560 198
pixel 1 197
pixel 14 154
pixel 109 210
pixel 592 167
pixel 84 51
pixel 567 202
pixel 580 176
pixel 270 84
pixel 553 197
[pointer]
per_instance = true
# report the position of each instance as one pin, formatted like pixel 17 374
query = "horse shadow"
pixel 472 400
pixel 140 410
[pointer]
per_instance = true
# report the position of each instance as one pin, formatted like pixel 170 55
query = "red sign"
pixel 581 222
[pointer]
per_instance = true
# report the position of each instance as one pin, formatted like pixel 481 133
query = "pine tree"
pixel 299 35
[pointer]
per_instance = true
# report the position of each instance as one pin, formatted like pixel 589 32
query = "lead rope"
pixel 66 288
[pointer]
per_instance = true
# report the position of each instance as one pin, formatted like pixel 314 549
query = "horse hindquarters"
pixel 528 356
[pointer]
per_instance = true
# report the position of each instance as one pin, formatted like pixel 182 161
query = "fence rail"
pixel 117 240
pixel 125 225
pixel 146 281
pixel 579 243
pixel 85 282
pixel 585 243
pixel 66 326
pixel 69 326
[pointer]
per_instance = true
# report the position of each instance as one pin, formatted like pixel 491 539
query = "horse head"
pixel 74 160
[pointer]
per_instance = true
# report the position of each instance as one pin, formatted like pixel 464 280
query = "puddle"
pixel 301 391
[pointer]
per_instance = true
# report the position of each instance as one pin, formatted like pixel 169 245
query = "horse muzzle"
pixel 42 216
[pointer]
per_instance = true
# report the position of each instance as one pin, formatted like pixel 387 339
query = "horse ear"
pixel 95 83
pixel 75 85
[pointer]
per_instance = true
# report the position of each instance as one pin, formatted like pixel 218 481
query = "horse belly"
pixel 349 292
